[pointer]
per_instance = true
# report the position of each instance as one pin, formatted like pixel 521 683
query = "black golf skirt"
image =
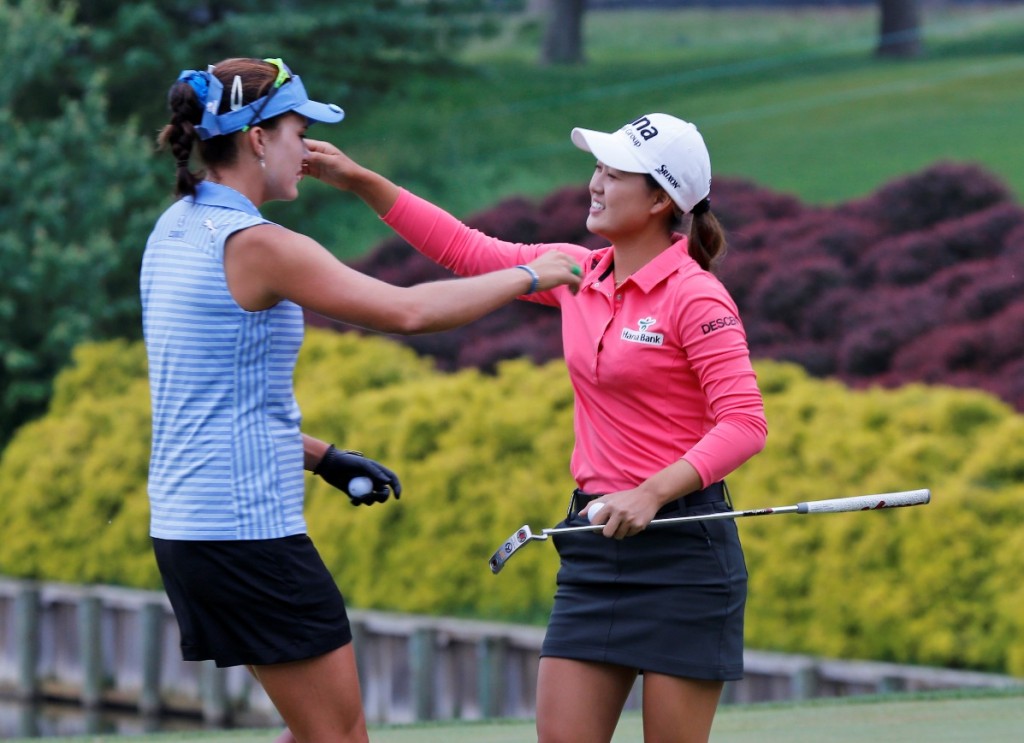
pixel 668 600
pixel 252 602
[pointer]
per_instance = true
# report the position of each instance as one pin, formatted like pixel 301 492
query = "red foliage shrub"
pixel 825 317
pixel 921 200
pixel 764 333
pixel 914 257
pixel 977 289
pixel 737 203
pixel 1009 385
pixel 564 219
pixel 818 358
pixel 516 218
pixel 741 272
pixel 784 291
pixel 881 323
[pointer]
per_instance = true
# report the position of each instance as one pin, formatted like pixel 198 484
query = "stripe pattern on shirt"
pixel 226 459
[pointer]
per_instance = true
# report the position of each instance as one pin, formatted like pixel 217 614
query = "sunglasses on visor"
pixel 283 76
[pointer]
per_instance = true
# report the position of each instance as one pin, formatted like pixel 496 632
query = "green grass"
pixel 953 717
pixel 793 100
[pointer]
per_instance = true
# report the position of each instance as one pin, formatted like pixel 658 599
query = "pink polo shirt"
pixel 659 365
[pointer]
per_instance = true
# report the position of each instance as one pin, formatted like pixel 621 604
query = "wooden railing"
pixel 108 647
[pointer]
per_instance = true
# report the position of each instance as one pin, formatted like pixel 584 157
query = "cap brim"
pixel 325 113
pixel 608 148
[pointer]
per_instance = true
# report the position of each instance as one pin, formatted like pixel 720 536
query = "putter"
pixel 524 535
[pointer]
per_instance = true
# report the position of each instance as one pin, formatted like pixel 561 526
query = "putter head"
pixel 522 535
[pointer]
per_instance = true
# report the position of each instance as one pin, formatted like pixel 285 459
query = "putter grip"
pixel 866 502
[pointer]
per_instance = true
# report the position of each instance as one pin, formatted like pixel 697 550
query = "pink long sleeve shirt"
pixel 659 365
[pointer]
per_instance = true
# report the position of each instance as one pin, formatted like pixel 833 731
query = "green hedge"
pixel 936 585
pixel 480 455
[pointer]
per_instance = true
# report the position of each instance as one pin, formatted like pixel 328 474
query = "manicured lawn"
pixel 793 100
pixel 974 717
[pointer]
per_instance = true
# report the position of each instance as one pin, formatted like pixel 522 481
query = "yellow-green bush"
pixel 480 455
pixel 938 584
pixel 73 484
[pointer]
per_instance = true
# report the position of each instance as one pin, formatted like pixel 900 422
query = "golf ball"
pixel 360 486
pixel 594 510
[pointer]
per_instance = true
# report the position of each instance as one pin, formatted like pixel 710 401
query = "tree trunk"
pixel 536 8
pixel 563 34
pixel 899 32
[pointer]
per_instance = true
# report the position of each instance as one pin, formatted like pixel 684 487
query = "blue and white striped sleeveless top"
pixel 227 457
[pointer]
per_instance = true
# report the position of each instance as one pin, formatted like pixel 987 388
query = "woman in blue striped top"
pixel 223 292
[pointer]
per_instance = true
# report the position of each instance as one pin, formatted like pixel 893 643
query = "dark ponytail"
pixel 707 238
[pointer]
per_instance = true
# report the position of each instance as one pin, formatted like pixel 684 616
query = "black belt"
pixel 713 493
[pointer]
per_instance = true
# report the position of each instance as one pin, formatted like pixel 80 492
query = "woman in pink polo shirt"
pixel 666 405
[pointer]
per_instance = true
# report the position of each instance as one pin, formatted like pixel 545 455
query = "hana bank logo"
pixel 642 333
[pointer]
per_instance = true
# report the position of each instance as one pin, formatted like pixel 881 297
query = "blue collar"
pixel 217 194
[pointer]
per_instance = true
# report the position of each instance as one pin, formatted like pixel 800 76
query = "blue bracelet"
pixel 534 278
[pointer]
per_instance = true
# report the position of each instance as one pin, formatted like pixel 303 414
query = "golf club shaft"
pixel 831 505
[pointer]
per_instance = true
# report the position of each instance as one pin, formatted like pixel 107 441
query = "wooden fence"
pixel 113 648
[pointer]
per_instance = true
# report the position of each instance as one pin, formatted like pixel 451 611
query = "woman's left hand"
pixel 327 163
pixel 625 513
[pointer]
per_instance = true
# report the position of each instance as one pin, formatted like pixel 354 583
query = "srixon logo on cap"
pixel 663 170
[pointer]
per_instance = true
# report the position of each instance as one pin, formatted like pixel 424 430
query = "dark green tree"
pixel 80 111
pixel 76 200
pixel 353 49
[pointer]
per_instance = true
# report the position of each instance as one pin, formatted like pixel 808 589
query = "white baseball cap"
pixel 669 149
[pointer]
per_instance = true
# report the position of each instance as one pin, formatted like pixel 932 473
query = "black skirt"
pixel 252 602
pixel 668 600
